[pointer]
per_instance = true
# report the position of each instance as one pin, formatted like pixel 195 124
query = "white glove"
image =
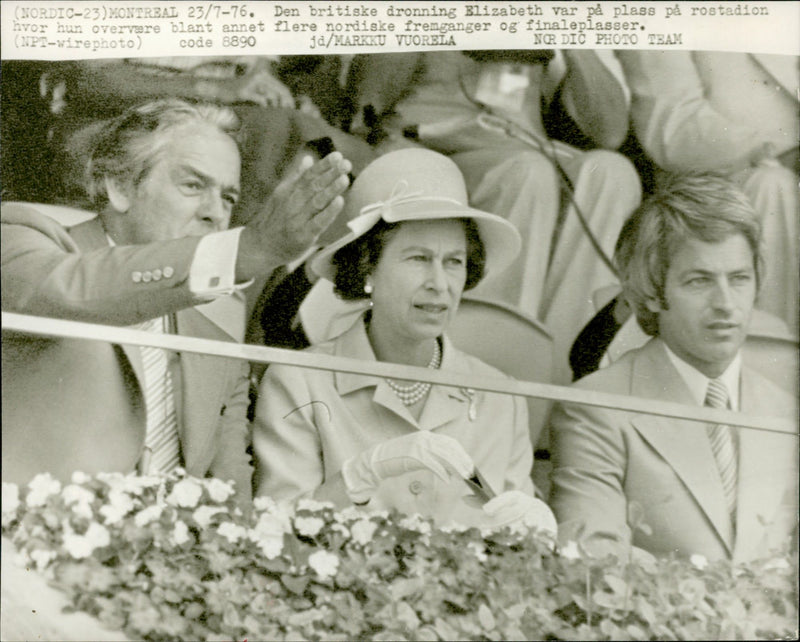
pixel 440 454
pixel 520 511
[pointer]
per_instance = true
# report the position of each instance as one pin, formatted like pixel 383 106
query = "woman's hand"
pixel 442 455
pixel 520 511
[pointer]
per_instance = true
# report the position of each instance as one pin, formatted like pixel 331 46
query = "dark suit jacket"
pixel 73 405
pixel 605 461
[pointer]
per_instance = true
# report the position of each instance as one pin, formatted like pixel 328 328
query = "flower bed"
pixel 172 558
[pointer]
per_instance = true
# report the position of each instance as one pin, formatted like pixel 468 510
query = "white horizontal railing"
pixel 44 326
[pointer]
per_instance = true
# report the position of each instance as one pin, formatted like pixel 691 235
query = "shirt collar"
pixel 698 382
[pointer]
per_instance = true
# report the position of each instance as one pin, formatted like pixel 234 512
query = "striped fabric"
pixel 722 443
pixel 162 447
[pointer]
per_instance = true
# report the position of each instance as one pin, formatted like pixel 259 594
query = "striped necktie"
pixel 162 447
pixel 722 444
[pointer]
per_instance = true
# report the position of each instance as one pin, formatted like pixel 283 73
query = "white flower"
pixel 79 498
pixel 232 532
pixel 479 551
pixel 416 523
pixel 79 477
pixel 308 526
pixel 268 535
pixel 340 528
pixel 149 514
pixel 204 514
pixel 180 534
pixel 10 502
pixel 570 551
pixel 81 546
pixel 312 505
pixel 263 503
pixel 699 561
pixel 186 493
pixel 119 504
pixel 219 490
pixel 324 563
pixel 363 530
pixel 348 514
pixel 40 488
pixel 42 558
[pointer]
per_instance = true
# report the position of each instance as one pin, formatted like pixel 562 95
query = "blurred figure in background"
pixel 734 113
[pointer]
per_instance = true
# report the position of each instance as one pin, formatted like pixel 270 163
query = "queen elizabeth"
pixel 413 247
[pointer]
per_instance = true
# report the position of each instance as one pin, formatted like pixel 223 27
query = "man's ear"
pixel 118 195
pixel 654 305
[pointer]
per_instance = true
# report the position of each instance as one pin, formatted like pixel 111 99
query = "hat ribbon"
pixel 371 213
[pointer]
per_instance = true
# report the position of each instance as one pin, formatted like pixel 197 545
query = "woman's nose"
pixel 436 276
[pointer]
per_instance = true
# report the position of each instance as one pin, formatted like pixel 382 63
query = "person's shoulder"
pixel 470 364
pixel 767 395
pixel 617 376
pixel 25 213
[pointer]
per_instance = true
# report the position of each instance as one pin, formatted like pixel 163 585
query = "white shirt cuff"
pixel 213 269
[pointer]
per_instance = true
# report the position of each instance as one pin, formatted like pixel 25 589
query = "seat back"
pixel 509 340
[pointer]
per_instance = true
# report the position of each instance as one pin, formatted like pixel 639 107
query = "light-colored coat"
pixel 73 405
pixel 308 422
pixel 606 461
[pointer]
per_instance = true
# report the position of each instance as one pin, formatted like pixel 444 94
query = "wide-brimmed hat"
pixel 417 185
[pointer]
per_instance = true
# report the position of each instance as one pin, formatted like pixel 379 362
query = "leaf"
pixel 407 616
pixel 295 584
pixel 616 584
pixel 486 618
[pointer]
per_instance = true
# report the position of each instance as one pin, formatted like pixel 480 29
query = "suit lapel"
pixel 203 382
pixel 683 444
pixel 766 469
pixel 90 235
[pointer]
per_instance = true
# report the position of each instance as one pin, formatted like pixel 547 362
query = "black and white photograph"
pixel 382 321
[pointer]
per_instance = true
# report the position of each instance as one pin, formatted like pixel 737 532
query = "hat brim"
pixel 501 240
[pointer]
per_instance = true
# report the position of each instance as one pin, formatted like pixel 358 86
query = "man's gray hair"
pixel 126 147
pixel 706 207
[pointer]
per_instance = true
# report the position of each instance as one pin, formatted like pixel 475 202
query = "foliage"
pixel 172 558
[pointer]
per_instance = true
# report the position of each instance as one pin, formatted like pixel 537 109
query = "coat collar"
pixel 683 444
pixel 444 404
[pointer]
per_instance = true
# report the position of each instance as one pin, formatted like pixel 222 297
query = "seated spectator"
pixel 154 254
pixel 485 110
pixel 737 113
pixel 273 126
pixel 690 264
pixel 413 247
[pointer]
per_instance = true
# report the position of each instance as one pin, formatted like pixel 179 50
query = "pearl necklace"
pixel 411 394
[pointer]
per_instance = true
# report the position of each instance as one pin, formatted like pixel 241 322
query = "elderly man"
pixel 155 254
pixel 690 265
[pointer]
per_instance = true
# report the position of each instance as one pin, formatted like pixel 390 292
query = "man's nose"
pixel 215 210
pixel 722 296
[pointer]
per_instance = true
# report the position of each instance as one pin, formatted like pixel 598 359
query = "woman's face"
pixel 419 278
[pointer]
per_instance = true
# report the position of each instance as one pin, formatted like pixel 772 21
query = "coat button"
pixel 416 487
pixel 147 276
pixel 168 272
pixel 136 276
pixel 157 274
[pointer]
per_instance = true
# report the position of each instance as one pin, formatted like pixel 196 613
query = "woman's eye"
pixel 418 257
pixel 697 281
pixel 192 186
pixel 455 261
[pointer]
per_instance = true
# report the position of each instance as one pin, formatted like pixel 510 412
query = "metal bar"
pixel 304 359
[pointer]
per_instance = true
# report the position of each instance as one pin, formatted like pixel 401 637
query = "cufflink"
pixel 157 274
pixel 168 272
pixel 136 276
pixel 147 276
